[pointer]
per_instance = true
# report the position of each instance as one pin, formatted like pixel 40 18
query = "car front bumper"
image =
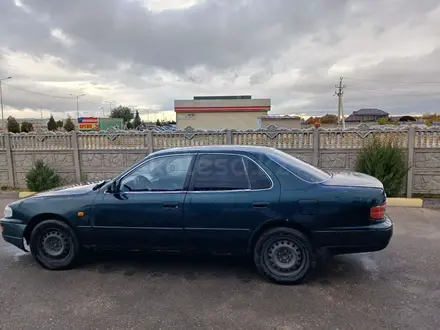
pixel 13 231
pixel 375 237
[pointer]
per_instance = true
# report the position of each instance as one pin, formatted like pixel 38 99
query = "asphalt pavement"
pixel 398 288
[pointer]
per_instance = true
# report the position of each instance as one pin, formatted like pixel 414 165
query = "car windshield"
pixel 299 168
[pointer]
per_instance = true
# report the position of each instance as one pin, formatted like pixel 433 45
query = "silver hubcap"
pixel 284 257
pixel 55 244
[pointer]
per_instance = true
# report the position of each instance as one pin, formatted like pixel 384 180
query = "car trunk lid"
pixel 367 192
pixel 353 179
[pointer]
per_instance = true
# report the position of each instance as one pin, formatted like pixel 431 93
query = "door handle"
pixel 260 205
pixel 170 205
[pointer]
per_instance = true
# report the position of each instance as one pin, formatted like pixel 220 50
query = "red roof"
pixel 223 109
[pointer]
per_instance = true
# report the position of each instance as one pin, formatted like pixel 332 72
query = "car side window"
pixel 257 177
pixel 217 172
pixel 158 174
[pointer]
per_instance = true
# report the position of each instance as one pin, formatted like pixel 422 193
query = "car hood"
pixel 79 189
pixel 353 179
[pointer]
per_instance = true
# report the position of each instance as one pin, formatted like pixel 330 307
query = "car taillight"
pixel 378 212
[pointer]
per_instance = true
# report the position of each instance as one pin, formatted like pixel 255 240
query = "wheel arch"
pixel 33 222
pixel 278 223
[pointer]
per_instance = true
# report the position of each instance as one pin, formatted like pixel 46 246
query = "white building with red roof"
pixel 220 112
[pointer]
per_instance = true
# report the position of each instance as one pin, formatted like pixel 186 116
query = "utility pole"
pixel 340 93
pixel 77 103
pixel 1 101
pixel 110 105
pixel 103 112
pixel 133 108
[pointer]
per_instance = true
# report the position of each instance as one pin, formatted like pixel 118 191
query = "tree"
pixel 382 121
pixel 384 161
pixel 69 125
pixel 51 124
pixel 27 127
pixel 429 118
pixel 312 120
pixel 137 120
pixel 60 124
pixel 158 123
pixel 13 125
pixel 42 177
pixel 122 112
pixel 129 125
pixel 329 119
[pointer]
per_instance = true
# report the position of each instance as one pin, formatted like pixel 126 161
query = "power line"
pixel 373 89
pixel 52 96
pixel 393 91
pixel 92 102
pixel 38 93
pixel 395 82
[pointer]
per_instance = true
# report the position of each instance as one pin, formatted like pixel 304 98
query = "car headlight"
pixel 8 212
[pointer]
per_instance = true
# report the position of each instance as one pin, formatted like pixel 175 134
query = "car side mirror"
pixel 113 187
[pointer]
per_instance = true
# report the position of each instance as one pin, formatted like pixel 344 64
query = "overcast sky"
pixel 150 52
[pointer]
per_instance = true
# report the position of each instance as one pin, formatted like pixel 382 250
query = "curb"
pixel 431 203
pixel 24 194
pixel 405 202
pixel 8 194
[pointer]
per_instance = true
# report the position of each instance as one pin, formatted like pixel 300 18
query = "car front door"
pixel 229 196
pixel 146 209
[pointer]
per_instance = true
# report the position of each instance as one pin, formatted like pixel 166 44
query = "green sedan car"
pixel 224 199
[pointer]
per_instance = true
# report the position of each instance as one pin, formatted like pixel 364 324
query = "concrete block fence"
pixel 87 156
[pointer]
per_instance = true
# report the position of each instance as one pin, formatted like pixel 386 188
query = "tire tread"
pixel 283 231
pixel 33 243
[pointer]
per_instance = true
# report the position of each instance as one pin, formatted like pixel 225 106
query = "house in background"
pixel 327 121
pixel 284 121
pixel 239 112
pixel 368 115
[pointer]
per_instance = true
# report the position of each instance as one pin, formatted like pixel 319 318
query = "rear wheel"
pixel 284 255
pixel 54 245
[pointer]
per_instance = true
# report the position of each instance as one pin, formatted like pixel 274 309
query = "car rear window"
pixel 299 168
pixel 257 178
pixel 220 172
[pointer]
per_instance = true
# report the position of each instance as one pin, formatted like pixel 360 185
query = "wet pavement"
pixel 398 288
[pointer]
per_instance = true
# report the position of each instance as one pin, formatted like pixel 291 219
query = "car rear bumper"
pixel 13 232
pixel 355 240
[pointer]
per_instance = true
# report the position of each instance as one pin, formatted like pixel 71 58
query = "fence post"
pixel 150 142
pixel 76 159
pixel 228 136
pixel 316 142
pixel 410 174
pixel 9 159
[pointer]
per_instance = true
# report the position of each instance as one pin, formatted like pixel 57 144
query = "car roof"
pixel 216 149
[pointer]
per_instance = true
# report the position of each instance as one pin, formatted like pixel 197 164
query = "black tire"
pixel 54 245
pixel 284 255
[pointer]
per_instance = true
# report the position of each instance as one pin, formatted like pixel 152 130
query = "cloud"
pixel 150 52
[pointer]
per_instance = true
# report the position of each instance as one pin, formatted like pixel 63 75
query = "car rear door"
pixel 229 196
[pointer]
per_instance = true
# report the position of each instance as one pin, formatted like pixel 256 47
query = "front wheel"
pixel 284 255
pixel 54 245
